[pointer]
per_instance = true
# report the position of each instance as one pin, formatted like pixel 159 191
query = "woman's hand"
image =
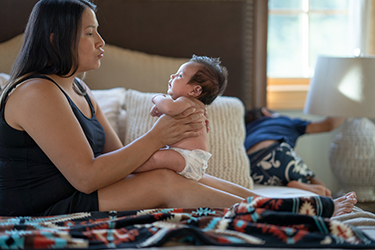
pixel 169 130
pixel 206 121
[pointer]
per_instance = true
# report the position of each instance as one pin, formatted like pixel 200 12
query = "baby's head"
pixel 211 76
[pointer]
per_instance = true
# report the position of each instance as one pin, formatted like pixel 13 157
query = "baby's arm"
pixel 168 106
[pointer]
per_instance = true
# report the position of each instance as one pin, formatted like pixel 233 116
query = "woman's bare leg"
pixel 227 186
pixel 344 204
pixel 159 189
pixel 165 188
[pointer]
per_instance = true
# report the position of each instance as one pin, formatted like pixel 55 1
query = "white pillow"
pixel 225 139
pixel 110 101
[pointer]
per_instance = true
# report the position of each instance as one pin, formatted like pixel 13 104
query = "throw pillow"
pixel 110 102
pixel 225 139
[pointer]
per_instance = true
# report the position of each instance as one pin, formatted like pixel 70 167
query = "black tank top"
pixel 29 182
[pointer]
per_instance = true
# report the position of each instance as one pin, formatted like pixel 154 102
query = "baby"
pixel 197 83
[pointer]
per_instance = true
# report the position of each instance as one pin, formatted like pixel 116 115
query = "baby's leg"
pixel 164 158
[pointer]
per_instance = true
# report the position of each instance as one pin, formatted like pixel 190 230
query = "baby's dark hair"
pixel 212 77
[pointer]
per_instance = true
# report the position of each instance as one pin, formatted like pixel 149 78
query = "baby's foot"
pixel 344 204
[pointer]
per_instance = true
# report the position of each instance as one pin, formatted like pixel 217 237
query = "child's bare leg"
pixel 344 204
pixel 163 158
pixel 315 188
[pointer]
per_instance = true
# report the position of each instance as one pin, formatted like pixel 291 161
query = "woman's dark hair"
pixel 51 40
pixel 212 77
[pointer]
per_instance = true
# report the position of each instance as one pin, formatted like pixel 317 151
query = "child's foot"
pixel 315 188
pixel 344 204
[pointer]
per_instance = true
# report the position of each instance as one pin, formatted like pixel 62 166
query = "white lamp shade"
pixel 342 86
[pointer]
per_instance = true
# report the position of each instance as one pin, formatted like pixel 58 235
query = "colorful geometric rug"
pixel 259 222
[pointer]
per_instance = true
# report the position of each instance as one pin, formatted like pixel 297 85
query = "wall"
pixel 314 150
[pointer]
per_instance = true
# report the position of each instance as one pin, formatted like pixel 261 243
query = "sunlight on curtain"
pixel 360 22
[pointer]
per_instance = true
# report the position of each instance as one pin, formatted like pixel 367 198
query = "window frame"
pixel 290 93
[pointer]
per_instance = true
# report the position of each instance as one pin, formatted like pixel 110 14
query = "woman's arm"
pixel 326 125
pixel 42 110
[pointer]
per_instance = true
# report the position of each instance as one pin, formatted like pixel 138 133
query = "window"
pixel 298 31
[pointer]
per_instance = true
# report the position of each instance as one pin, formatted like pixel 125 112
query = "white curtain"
pixel 360 28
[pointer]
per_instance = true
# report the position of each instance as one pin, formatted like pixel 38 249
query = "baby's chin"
pixel 171 95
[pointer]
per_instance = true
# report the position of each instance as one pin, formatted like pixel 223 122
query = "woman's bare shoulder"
pixel 29 98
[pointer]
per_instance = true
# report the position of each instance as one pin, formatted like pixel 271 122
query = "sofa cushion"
pixel 9 51
pixel 225 139
pixel 110 102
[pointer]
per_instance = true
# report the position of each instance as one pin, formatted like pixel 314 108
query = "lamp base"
pixel 352 157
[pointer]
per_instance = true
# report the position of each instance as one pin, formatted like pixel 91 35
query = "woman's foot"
pixel 344 204
pixel 315 188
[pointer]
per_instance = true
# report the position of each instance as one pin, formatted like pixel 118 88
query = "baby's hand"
pixel 155 111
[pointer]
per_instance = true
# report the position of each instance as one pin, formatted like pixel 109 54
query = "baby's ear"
pixel 197 90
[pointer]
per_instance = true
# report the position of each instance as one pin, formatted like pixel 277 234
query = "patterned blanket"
pixel 260 222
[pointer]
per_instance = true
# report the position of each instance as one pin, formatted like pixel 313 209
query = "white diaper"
pixel 196 162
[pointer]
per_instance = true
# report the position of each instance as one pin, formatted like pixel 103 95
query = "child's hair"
pixel 212 77
pixel 254 114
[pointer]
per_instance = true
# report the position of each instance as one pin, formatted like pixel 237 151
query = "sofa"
pixel 126 104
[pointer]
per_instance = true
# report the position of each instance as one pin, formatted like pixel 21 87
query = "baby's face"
pixel 178 82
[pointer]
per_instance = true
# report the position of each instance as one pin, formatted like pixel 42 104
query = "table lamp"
pixel 345 87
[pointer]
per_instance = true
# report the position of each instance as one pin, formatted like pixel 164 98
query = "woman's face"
pixel 90 47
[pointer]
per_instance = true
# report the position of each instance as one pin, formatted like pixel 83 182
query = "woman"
pixel 58 152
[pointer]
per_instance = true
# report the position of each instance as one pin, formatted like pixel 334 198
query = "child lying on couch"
pixel 270 141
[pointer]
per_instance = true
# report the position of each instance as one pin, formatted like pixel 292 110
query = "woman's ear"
pixel 197 90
